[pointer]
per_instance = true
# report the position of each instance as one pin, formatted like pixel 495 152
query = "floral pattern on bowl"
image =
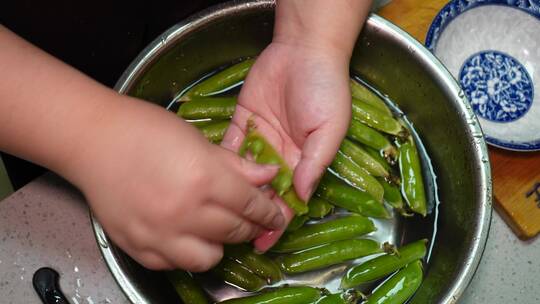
pixel 497 85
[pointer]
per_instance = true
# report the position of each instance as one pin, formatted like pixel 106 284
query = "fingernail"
pixel 279 221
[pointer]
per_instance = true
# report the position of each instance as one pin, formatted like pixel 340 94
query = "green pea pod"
pixel 371 138
pixel 208 107
pixel 259 264
pixel 319 208
pixel 384 265
pixel 356 175
pixel 282 295
pixel 220 81
pixel 362 158
pixel 376 154
pixel 392 195
pixel 400 287
pixel 323 233
pixel 376 119
pixel 350 296
pixel 237 275
pixel 186 287
pixel 412 183
pixel 327 255
pixel 297 222
pixel 264 153
pixel 342 195
pixel 364 94
pixel 214 131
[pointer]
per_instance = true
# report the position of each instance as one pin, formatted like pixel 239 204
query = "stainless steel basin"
pixel 392 62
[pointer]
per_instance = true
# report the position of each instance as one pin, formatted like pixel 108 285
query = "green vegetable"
pixel 362 158
pixel 264 153
pixel 364 94
pixel 400 287
pixel 327 255
pixel 319 208
pixel 392 195
pixel 236 274
pixel 356 175
pixel 297 222
pixel 342 195
pixel 323 233
pixel 384 265
pixel 283 295
pixel 186 287
pixel 259 264
pixel 371 138
pixel 220 81
pixel 214 130
pixel 412 183
pixel 208 107
pixel 347 297
pixel 376 154
pixel 376 119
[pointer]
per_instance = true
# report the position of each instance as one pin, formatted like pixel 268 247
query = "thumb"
pixel 257 175
pixel 318 152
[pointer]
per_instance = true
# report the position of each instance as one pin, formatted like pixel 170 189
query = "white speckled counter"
pixel 46 224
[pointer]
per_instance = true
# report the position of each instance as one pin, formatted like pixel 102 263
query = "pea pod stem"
pixel 376 119
pixel 323 233
pixel 400 287
pixel 187 288
pixel 232 272
pixel 372 138
pixel 282 295
pixel 214 130
pixel 362 158
pixel 412 183
pixel 259 264
pixel 264 153
pixel 208 108
pixel 220 81
pixel 364 94
pixel 342 195
pixel 327 255
pixel 356 175
pixel 319 207
pixel 384 265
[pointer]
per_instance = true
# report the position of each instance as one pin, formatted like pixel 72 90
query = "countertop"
pixel 47 223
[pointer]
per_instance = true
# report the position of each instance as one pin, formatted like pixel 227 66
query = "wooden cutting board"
pixel 516 175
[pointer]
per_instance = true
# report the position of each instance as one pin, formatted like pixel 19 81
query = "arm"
pixel 298 90
pixel 137 164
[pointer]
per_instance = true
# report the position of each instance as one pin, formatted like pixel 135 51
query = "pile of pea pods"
pixel 376 167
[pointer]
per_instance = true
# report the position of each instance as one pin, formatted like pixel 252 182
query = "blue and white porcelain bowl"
pixel 492 47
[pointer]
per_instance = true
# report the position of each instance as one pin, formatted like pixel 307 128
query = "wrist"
pixel 92 134
pixel 321 25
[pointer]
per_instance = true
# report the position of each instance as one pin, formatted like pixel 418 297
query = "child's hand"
pixel 165 195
